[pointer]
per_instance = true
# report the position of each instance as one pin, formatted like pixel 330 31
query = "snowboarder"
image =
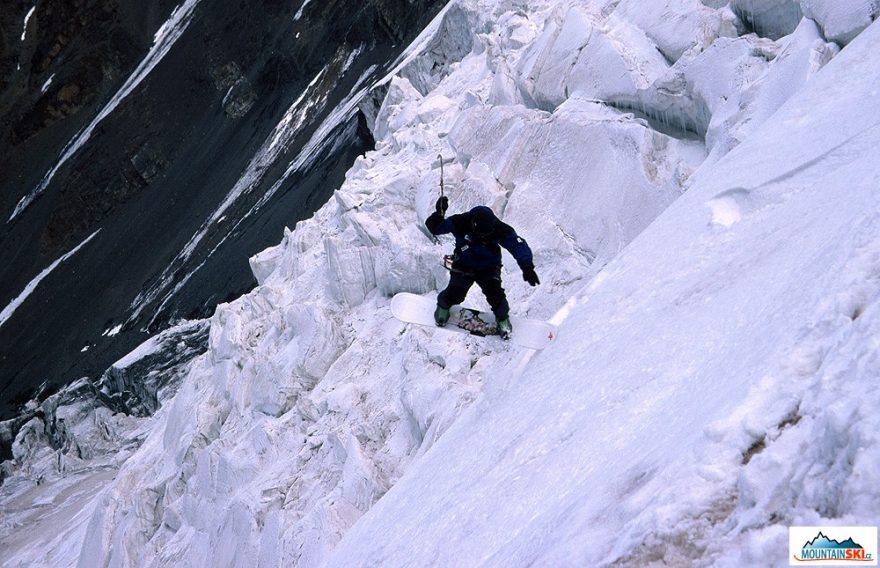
pixel 479 234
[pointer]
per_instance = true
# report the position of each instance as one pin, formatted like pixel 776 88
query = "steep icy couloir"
pixel 312 403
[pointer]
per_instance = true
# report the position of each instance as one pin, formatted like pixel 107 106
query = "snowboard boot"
pixel 441 316
pixel 504 328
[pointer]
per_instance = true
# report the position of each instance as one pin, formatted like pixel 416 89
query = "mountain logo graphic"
pixel 822 541
pixel 833 546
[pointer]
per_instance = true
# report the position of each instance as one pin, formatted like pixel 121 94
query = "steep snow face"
pixel 711 387
pixel 579 124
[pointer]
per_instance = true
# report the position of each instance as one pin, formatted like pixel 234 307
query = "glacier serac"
pixel 703 211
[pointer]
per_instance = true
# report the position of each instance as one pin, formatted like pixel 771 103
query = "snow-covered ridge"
pixel 579 123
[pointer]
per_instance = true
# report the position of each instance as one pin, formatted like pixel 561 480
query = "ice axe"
pixel 439 162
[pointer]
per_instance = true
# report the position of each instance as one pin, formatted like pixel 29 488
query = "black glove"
pixel 442 205
pixel 530 276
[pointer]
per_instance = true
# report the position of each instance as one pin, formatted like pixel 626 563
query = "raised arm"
pixel 438 225
pixel 436 222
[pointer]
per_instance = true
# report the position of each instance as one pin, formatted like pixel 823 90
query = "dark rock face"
pixel 179 182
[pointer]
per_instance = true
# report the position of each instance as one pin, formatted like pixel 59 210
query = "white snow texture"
pixel 697 182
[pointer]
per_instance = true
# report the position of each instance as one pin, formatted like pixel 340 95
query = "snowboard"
pixel 412 308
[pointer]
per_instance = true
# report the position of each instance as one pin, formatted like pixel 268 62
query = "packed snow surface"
pixel 696 181
pixel 746 314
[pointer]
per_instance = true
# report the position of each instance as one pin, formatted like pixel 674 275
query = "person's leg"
pixel 456 291
pixel 491 287
pixel 454 294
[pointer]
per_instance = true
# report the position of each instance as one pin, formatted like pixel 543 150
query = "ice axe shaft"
pixel 440 157
pixel 440 162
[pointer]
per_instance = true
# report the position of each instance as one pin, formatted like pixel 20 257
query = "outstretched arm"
pixel 519 248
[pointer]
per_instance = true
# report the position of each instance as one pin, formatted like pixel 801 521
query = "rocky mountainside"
pixel 180 138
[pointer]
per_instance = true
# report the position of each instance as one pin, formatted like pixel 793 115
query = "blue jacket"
pixel 481 253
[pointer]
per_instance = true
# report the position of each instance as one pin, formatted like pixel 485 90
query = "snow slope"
pixel 713 386
pixel 702 211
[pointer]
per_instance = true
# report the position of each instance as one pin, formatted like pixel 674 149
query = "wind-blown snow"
pixel 703 210
pixel 32 285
